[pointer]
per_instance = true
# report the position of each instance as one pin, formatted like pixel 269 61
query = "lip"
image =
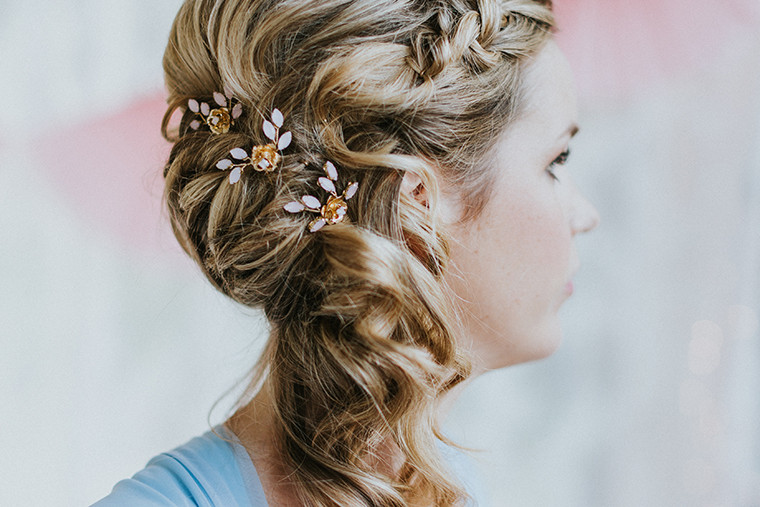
pixel 569 288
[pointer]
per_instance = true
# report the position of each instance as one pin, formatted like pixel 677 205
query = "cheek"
pixel 542 238
pixel 531 243
pixel 513 265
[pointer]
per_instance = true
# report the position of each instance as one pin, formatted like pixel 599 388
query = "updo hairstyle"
pixel 363 328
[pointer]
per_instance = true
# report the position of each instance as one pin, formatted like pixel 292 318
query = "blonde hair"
pixel 364 336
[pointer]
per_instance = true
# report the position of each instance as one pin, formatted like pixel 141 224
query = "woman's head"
pixel 364 334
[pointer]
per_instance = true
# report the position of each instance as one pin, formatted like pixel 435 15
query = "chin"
pixel 532 346
pixel 546 343
pixel 549 347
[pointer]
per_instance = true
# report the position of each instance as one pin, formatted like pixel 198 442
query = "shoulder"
pixel 202 472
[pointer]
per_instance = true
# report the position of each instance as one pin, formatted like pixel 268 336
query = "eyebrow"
pixel 572 131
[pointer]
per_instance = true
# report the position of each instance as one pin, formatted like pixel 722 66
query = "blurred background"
pixel 113 347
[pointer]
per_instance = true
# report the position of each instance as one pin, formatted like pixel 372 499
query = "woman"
pixel 384 179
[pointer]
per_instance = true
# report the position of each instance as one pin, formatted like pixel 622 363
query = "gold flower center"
pixel 219 120
pixel 334 210
pixel 265 158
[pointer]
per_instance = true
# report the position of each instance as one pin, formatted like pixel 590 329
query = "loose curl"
pixel 364 334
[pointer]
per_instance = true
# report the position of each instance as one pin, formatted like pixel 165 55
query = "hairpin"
pixel 219 119
pixel 263 158
pixel 334 209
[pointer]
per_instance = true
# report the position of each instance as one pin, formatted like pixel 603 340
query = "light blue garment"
pixel 204 472
pixel 215 470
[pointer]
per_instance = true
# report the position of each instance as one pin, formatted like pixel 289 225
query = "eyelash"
pixel 560 160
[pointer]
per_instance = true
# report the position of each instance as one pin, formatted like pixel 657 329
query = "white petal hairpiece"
pixel 219 119
pixel 262 158
pixel 334 209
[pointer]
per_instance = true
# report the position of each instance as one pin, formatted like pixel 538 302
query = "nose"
pixel 585 216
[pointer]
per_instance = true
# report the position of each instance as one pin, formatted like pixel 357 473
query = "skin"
pixel 512 266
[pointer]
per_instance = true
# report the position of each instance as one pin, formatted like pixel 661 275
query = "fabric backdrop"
pixel 114 347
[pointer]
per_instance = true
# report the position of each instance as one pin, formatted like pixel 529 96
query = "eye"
pixel 560 160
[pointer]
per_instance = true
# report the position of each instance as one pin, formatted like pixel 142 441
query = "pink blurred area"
pixel 110 169
pixel 617 47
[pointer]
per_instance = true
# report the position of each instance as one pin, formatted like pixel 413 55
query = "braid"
pixel 475 35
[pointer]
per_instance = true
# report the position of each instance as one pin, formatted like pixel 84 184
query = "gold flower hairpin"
pixel 333 211
pixel 219 119
pixel 263 158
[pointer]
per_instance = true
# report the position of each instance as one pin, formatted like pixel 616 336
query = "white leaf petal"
pixel 224 164
pixel 235 175
pixel 330 170
pixel 195 124
pixel 277 118
pixel 317 224
pixel 284 141
pixel 269 130
pixel 237 111
pixel 264 165
pixel 351 190
pixel 238 153
pixel 193 105
pixel 205 109
pixel 311 202
pixel 220 99
pixel 327 184
pixel 228 91
pixel 294 207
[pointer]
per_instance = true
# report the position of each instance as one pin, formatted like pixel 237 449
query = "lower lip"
pixel 569 287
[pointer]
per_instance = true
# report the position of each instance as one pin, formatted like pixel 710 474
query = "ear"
pixel 412 187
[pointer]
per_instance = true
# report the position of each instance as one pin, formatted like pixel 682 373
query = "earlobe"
pixel 412 187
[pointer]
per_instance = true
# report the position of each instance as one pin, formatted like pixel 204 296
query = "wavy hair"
pixel 363 329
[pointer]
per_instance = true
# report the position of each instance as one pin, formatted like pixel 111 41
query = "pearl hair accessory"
pixel 333 211
pixel 219 119
pixel 263 158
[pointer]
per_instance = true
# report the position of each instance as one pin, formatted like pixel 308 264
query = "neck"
pixel 255 425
